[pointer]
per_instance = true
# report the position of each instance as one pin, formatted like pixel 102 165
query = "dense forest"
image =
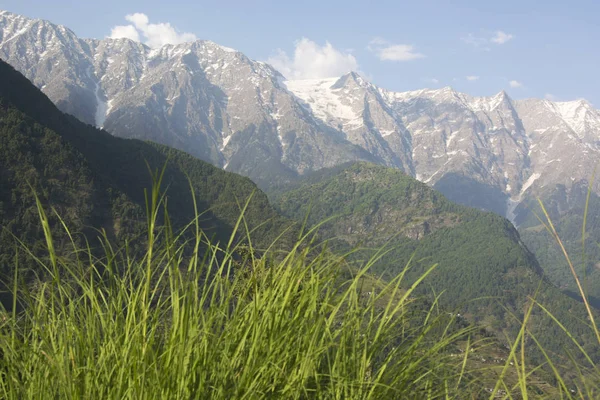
pixel 485 271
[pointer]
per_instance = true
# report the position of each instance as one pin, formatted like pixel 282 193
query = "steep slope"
pixel 211 101
pixel 564 141
pixel 509 151
pixel 462 142
pixel 95 180
pixel 485 272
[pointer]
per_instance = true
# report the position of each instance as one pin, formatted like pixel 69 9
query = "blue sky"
pixel 528 48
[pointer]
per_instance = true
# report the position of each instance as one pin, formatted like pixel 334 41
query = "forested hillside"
pixel 96 181
pixel 485 272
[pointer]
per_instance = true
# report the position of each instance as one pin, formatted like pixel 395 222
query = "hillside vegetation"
pixel 96 181
pixel 569 214
pixel 485 272
pixel 131 270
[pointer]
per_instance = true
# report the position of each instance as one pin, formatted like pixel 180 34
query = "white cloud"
pixel 387 51
pixel 550 96
pixel 125 31
pixel 155 35
pixel 484 41
pixel 472 78
pixel 435 81
pixel 515 84
pixel 501 37
pixel 476 41
pixel 311 61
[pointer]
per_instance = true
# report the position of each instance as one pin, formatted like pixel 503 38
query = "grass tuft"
pixel 191 318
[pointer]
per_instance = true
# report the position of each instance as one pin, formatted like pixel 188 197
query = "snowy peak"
pixel 444 94
pixel 576 119
pixel 325 97
pixel 204 48
pixel 358 109
pixel 448 95
pixel 17 31
pixel 578 114
pixel 350 80
pixel 212 46
pixel 499 105
pixel 501 99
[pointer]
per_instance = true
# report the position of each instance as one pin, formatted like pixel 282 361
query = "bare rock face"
pixel 242 115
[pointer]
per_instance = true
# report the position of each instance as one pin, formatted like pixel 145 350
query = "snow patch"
pixel 17 34
pixel 325 102
pixel 579 115
pixel 512 203
pixel 101 105
pixel 529 182
pixel 511 207
pixel 450 138
pixel 225 142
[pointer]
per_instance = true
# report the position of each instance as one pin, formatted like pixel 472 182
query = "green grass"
pixel 193 319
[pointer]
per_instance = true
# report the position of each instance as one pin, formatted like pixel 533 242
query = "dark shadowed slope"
pixel 95 180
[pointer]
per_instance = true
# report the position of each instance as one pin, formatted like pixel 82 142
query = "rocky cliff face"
pixel 489 152
pixel 241 114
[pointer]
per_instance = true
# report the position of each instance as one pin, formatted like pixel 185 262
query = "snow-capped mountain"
pixel 357 108
pixel 206 99
pixel 241 114
pixel 514 150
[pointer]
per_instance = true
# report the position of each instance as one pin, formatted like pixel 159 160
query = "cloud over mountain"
pixel 387 51
pixel 312 61
pixel 154 35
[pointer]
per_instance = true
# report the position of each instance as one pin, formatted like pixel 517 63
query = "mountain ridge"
pixel 242 115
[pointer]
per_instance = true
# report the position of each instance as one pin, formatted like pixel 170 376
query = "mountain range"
pixel 215 103
pixel 96 182
pixel 242 115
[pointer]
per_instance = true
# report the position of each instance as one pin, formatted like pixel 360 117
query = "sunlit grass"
pixel 194 319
